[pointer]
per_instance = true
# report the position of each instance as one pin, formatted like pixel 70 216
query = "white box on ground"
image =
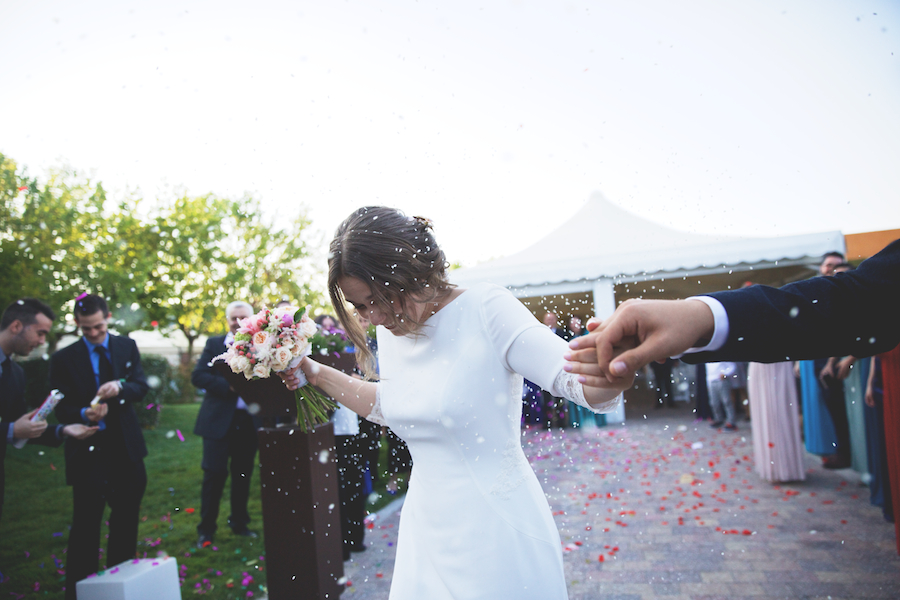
pixel 138 579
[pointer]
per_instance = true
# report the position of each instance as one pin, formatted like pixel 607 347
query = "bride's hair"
pixel 398 257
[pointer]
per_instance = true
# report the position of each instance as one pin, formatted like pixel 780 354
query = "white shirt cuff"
pixel 720 327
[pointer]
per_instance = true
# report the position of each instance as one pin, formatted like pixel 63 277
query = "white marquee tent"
pixel 604 254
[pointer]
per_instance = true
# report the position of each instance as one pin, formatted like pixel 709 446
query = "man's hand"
pixel 842 370
pixel 639 332
pixel 79 431
pixel 827 370
pixel 110 389
pixel 96 412
pixel 24 429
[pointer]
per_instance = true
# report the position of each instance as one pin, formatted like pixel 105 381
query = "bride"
pixel 475 522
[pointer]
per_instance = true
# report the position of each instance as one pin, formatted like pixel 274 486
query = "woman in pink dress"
pixel 777 448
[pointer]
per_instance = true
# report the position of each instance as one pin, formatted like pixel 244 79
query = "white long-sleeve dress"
pixel 475 522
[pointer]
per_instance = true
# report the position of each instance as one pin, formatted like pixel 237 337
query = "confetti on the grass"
pixel 178 433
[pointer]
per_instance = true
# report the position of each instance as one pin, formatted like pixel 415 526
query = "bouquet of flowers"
pixel 275 340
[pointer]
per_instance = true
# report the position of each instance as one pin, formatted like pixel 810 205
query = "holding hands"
pixel 638 332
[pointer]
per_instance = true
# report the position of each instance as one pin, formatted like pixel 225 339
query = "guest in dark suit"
pixel 23 327
pixel 832 386
pixel 850 313
pixel 229 433
pixel 108 468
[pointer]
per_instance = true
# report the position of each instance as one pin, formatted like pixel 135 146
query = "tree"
pixel 178 262
pixel 57 241
pixel 213 251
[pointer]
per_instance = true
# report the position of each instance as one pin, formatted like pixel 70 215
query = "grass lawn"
pixel 38 510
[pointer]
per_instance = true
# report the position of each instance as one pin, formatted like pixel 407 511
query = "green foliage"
pixel 212 251
pixel 329 343
pixel 187 391
pixel 164 390
pixel 176 262
pixel 49 237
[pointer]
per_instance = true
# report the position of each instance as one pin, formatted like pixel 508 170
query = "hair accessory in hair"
pixel 427 223
pixel 81 296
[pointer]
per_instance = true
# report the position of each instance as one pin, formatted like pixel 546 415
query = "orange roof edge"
pixel 863 245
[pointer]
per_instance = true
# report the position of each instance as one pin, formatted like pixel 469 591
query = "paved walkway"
pixel 664 508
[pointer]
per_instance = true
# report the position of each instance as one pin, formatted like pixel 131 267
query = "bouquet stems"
pixel 312 407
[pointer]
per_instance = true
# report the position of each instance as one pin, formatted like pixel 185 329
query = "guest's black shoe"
pixel 360 548
pixel 204 540
pixel 837 463
pixel 716 424
pixel 245 533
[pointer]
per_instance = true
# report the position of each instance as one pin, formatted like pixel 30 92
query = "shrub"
pixel 188 393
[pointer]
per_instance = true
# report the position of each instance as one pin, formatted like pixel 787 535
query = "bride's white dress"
pixel 475 522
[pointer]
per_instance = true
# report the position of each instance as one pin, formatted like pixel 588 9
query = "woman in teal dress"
pixel 818 430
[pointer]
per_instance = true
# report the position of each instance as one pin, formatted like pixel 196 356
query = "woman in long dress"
pixel 818 430
pixel 777 449
pixel 475 522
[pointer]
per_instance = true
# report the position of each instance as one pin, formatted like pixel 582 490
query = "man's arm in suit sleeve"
pixel 67 411
pixel 205 377
pixel 852 313
pixel 52 436
pixel 135 386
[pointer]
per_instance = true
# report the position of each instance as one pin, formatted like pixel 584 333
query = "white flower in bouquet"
pixel 301 349
pixel 260 370
pixel 307 327
pixel 239 364
pixel 281 358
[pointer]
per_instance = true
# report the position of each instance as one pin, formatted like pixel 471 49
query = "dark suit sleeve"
pixel 135 386
pixel 52 436
pixel 62 379
pixel 851 313
pixel 205 376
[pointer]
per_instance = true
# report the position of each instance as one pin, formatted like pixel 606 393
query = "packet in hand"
pixel 48 406
pixel 41 414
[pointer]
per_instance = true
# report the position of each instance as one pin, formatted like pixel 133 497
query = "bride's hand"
pixel 310 370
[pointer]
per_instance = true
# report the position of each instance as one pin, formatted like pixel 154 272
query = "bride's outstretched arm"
pixel 352 392
pixel 537 354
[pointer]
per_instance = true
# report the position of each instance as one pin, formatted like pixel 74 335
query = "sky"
pixel 496 119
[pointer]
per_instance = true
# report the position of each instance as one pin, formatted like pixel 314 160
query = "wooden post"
pixel 301 513
pixel 301 509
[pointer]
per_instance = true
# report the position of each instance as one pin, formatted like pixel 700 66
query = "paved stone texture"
pixel 665 508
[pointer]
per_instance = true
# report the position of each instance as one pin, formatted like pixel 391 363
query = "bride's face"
pixel 357 293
